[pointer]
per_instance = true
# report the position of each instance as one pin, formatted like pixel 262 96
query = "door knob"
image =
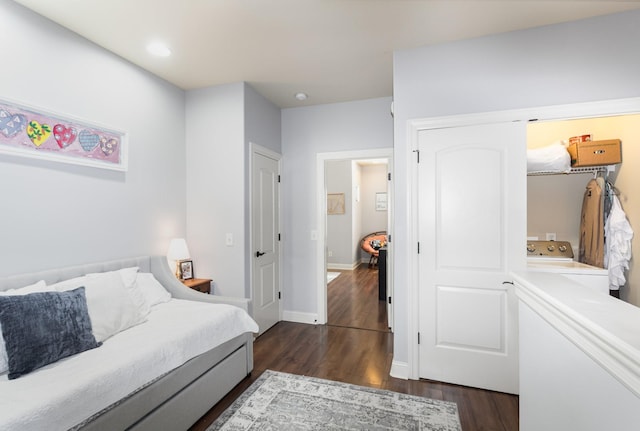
pixel 258 254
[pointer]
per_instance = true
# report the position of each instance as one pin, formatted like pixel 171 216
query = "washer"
pixel 557 257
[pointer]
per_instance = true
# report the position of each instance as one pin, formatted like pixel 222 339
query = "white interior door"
pixel 265 240
pixel 472 230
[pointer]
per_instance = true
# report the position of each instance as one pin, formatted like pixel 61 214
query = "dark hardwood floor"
pixel 352 300
pixel 344 352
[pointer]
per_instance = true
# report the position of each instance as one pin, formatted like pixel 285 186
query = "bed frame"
pixel 181 397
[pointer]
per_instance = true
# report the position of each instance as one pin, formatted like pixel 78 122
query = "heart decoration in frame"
pixel 38 132
pixel 11 124
pixel 88 141
pixel 32 132
pixel 108 146
pixel 64 135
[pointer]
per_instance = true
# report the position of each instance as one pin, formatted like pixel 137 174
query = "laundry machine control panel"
pixel 550 249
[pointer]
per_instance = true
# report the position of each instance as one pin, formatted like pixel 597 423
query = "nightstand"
pixel 200 284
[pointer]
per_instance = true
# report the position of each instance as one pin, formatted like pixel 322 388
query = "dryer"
pixel 557 257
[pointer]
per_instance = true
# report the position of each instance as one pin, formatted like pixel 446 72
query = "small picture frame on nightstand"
pixel 186 270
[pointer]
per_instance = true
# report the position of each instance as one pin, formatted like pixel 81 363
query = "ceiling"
pixel 333 50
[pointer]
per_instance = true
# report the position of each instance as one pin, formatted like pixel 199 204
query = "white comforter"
pixel 69 391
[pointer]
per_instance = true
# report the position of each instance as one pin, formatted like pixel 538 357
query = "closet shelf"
pixel 605 169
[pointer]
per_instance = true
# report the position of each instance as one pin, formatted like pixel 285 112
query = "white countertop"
pixel 605 328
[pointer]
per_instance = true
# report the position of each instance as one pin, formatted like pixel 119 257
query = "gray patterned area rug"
pixel 280 401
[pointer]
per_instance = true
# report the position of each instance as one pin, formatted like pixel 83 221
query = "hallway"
pixel 352 300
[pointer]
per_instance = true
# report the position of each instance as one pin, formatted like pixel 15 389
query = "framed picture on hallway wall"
pixel 381 201
pixel 335 203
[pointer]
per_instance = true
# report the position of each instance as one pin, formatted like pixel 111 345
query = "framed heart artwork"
pixel 32 132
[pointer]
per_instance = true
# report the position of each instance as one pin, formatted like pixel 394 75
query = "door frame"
pixel 258 149
pixel 320 236
pixel 546 113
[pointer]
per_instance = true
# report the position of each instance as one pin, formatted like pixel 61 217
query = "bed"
pixel 164 373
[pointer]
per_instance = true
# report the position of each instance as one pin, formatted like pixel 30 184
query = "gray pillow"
pixel 41 328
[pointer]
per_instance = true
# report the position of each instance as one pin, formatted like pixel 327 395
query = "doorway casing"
pixel 321 234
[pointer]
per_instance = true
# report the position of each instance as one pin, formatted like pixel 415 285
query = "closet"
pixel 554 201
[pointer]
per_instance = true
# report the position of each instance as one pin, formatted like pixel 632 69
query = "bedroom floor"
pixel 343 352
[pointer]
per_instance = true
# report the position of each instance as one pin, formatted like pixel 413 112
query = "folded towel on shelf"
pixel 551 158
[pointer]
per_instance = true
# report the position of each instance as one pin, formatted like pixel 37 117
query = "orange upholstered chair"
pixel 371 243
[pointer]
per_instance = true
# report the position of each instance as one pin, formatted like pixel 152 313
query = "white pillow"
pixel 110 307
pixel 40 286
pixel 154 293
pixel 33 288
pixel 129 276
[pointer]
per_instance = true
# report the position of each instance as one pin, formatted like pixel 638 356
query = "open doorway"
pixel 357 215
pixel 355 200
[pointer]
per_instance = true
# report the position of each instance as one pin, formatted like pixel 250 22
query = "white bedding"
pixel 63 394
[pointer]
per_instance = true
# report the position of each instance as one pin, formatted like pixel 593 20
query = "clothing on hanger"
pixel 618 233
pixel 609 192
pixel 591 249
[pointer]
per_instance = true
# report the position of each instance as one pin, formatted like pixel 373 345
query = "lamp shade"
pixel 178 249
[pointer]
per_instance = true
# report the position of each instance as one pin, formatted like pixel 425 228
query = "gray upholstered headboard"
pixel 157 265
pixel 55 275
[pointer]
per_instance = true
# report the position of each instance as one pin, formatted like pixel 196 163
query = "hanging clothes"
pixel 591 250
pixel 618 233
pixel 609 191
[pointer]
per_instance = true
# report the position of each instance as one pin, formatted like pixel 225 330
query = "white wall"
pixel 338 178
pixel 306 131
pixel 215 185
pixel 221 121
pixel 262 126
pixel 374 180
pixel 262 121
pixel 594 59
pixel 56 214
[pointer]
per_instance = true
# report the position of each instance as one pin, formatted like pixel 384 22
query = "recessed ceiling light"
pixel 301 96
pixel 158 49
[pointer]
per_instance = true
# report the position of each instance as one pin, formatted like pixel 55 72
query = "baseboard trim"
pixel 298 317
pixel 399 370
pixel 343 266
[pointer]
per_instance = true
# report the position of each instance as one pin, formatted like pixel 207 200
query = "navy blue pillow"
pixel 41 328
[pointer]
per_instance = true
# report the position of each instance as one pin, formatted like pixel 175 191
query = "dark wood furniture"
pixel 200 284
pixel 382 274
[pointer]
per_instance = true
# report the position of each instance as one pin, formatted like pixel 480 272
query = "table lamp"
pixel 177 252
